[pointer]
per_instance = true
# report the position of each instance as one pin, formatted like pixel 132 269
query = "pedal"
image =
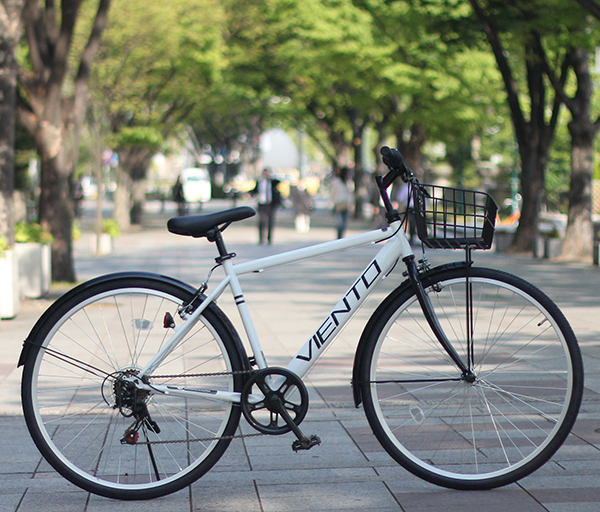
pixel 306 443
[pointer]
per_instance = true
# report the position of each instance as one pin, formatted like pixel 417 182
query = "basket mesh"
pixel 452 218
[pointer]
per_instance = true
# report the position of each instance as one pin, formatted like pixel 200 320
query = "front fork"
pixel 434 324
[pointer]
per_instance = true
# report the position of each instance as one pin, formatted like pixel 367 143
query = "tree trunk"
pixel 10 33
pixel 56 208
pixel 138 198
pixel 360 192
pixel 411 147
pixel 122 199
pixel 533 135
pixel 534 138
pixel 8 83
pixel 341 149
pixel 579 236
pixel 55 120
pixel 138 187
pixel 532 191
pixel 578 241
pixel 56 215
pixel 130 194
pixel 381 127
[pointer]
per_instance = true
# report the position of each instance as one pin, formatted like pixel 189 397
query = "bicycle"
pixel 134 383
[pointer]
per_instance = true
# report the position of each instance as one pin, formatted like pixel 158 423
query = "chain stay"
pixel 203 439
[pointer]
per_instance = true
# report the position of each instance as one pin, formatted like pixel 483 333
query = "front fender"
pixel 366 334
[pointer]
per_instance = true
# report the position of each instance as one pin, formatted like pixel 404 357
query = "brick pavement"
pixel 349 471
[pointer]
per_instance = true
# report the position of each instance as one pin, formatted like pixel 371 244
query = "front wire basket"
pixel 451 218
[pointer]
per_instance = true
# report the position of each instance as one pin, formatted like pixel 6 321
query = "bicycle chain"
pixel 202 439
pixel 215 374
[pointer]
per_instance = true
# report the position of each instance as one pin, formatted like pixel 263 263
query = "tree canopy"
pixel 416 72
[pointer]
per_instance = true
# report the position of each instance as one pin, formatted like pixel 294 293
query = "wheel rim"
pixel 111 332
pixel 506 418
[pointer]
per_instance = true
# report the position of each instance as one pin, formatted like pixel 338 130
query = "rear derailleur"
pixel 131 402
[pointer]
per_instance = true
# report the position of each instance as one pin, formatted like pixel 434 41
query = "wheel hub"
pixel 123 392
pixel 469 377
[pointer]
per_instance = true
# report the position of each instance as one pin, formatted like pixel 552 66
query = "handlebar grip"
pixel 393 158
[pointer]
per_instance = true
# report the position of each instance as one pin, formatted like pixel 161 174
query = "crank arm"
pixel 302 442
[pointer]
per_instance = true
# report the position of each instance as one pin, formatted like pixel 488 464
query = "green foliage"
pixel 3 246
pixel 234 68
pixel 26 232
pixel 155 62
pixel 75 231
pixel 111 227
pixel 551 233
pixel 138 136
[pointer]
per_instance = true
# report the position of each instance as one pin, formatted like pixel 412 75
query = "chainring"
pixel 267 390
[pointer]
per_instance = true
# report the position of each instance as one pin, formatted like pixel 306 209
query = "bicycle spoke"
pixel 475 431
pixel 96 425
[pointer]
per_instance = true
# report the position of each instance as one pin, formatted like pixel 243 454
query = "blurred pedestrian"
pixel 303 205
pixel 77 198
pixel 269 199
pixel 178 197
pixel 341 197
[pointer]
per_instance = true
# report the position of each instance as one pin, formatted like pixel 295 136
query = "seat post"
pixel 214 235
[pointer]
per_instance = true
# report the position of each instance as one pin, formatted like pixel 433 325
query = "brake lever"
pixel 421 187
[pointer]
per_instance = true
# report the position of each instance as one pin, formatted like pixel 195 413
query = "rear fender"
pixel 72 294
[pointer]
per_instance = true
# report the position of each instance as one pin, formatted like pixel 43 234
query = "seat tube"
pixel 244 312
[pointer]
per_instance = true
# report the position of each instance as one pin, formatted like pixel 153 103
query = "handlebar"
pixel 394 160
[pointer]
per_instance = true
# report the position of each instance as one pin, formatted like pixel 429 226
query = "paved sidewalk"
pixel 349 471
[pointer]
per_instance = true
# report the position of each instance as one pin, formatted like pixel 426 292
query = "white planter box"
pixel 105 246
pixel 35 269
pixel 9 281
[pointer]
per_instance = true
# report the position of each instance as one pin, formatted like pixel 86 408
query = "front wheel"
pixel 104 433
pixel 500 422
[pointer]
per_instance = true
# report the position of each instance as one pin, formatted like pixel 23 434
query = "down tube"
pixel 343 311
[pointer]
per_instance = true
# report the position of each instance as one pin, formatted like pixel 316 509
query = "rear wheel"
pixel 501 422
pixel 87 416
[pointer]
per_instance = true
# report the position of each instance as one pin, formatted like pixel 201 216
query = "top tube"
pixel 323 248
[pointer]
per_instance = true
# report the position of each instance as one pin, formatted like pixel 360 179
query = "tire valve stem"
pixel 169 323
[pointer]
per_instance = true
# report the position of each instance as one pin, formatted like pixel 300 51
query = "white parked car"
pixel 196 185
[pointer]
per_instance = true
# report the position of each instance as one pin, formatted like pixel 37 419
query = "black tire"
pixel 75 406
pixel 471 435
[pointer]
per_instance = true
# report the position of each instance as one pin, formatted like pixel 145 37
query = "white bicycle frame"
pixel 396 248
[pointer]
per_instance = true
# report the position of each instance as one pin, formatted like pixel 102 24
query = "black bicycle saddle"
pixel 200 225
